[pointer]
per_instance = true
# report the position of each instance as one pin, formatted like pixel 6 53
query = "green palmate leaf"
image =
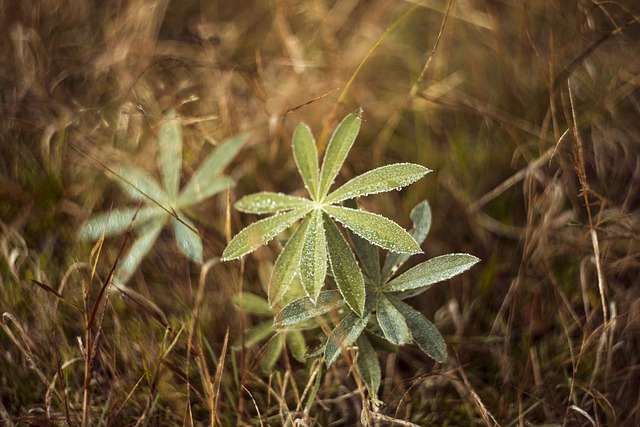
pixel 252 303
pixel 188 241
pixel 385 178
pixel 148 235
pixel 337 150
pixel 170 154
pixel 306 157
pixel 345 334
pixel 296 344
pixel 272 352
pixel 313 265
pixel 193 194
pixel 261 232
pixel 421 217
pixel 432 271
pixel 369 366
pixel 424 333
pixel 207 175
pixel 304 309
pixel 375 228
pixel 118 221
pixel 287 264
pixel 268 202
pixel 140 186
pixel 345 268
pixel 391 322
pixel 366 252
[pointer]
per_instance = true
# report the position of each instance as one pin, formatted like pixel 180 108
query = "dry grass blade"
pixel 218 379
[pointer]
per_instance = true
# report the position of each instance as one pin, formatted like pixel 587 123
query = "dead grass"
pixel 528 112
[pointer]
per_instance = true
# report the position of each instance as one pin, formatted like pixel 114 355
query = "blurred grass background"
pixel 528 115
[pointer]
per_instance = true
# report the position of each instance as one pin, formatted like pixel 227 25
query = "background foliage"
pixel 528 116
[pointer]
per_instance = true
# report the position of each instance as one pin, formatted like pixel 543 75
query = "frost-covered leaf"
pixel 375 228
pixel 421 217
pixel 188 241
pixel 432 271
pixel 306 157
pixel 296 344
pixel 119 221
pixel 366 252
pixel 345 334
pixel 170 153
pixel 272 352
pixel 385 178
pixel 140 247
pixel 267 202
pixel 303 308
pixel 313 264
pixel 252 303
pixel 424 333
pixel 259 233
pixel 369 366
pixel 345 269
pixel 392 322
pixel 205 182
pixel 287 264
pixel 140 186
pixel 337 150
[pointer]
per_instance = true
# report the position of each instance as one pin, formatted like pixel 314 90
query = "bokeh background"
pixel 527 111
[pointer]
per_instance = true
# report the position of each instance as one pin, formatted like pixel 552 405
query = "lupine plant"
pixel 165 203
pixel 375 298
pixel 317 239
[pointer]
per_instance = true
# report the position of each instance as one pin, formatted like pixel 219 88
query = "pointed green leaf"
pixel 306 157
pixel 424 333
pixel 139 186
pixel 313 392
pixel 303 308
pixel 392 322
pixel 140 247
pixel 261 232
pixel 119 221
pixel 296 344
pixel 380 180
pixel 252 303
pixel 193 194
pixel 256 334
pixel 287 264
pixel 170 153
pixel 366 252
pixel 188 241
pixel 337 150
pixel 268 202
pixel 432 271
pixel 345 268
pixel 272 352
pixel 345 334
pixel 206 181
pixel 313 265
pixel 421 217
pixel 369 366
pixel 375 228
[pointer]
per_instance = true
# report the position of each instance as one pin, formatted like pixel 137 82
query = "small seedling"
pixel 375 298
pixel 166 203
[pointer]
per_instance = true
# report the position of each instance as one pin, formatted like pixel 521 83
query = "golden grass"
pixel 528 112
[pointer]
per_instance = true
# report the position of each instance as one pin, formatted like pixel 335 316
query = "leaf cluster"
pixel 317 248
pixel 160 204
